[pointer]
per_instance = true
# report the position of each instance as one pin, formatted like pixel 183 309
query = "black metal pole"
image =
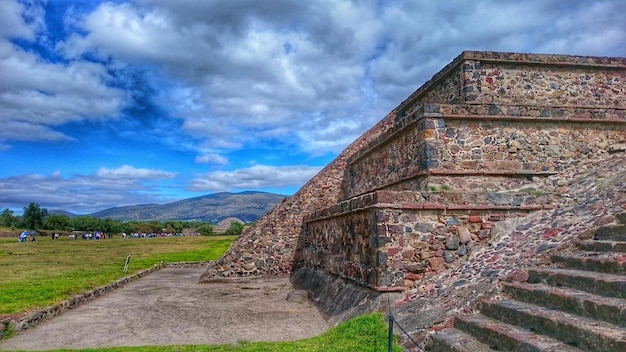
pixel 390 349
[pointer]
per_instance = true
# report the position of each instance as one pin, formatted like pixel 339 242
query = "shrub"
pixel 205 230
pixel 235 229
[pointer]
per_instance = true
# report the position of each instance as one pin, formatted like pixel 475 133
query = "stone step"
pixel 602 246
pixel 610 263
pixel 454 340
pixel 573 330
pixel 611 310
pixel 505 337
pixel 608 285
pixel 611 233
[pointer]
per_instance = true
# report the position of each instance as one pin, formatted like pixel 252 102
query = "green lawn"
pixel 45 272
pixel 39 274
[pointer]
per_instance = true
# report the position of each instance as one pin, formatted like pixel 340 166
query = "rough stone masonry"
pixel 428 185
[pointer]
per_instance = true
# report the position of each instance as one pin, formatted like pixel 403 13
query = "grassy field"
pixel 38 274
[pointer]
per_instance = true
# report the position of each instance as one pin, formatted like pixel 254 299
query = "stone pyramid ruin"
pixel 488 169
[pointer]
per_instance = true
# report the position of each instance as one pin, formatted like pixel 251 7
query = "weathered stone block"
pixel 297 296
pixel 436 263
pixel 452 242
pixel 426 254
pixel 464 235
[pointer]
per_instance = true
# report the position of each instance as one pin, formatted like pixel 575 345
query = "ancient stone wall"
pixel 415 194
pixel 464 152
pixel 488 78
pixel 389 240
pixel 489 147
pixel 271 244
pixel 499 113
pixel 558 84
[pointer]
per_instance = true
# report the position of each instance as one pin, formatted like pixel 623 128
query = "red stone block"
pixel 393 251
pixel 384 197
pixel 398 265
pixel 495 257
pixel 412 276
pixel 551 233
pixel 437 263
pixel 475 218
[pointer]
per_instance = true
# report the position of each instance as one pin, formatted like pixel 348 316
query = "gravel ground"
pixel 170 307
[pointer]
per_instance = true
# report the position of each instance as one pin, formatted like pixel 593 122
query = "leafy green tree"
pixel 173 226
pixel 146 227
pixel 34 216
pixel 235 228
pixel 192 223
pixel 155 226
pixel 58 222
pixel 118 226
pixel 87 223
pixel 205 229
pixel 7 219
pixel 107 225
pixel 125 227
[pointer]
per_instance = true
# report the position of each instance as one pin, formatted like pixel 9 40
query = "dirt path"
pixel 169 307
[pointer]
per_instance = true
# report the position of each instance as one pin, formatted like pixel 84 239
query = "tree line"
pixel 37 218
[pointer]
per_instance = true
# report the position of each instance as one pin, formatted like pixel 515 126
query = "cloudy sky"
pixel 112 103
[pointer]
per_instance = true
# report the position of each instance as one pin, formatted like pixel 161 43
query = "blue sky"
pixel 113 103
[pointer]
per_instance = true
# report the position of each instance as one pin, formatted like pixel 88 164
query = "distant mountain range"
pixel 246 206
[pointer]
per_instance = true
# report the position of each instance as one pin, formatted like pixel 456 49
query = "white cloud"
pixel 53 94
pixel 18 21
pixel 25 131
pixel 211 159
pixel 256 71
pixel 37 95
pixel 107 188
pixel 596 28
pixel 130 172
pixel 243 71
pixel 255 177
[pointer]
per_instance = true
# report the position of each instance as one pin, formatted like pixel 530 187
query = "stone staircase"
pixel 578 304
